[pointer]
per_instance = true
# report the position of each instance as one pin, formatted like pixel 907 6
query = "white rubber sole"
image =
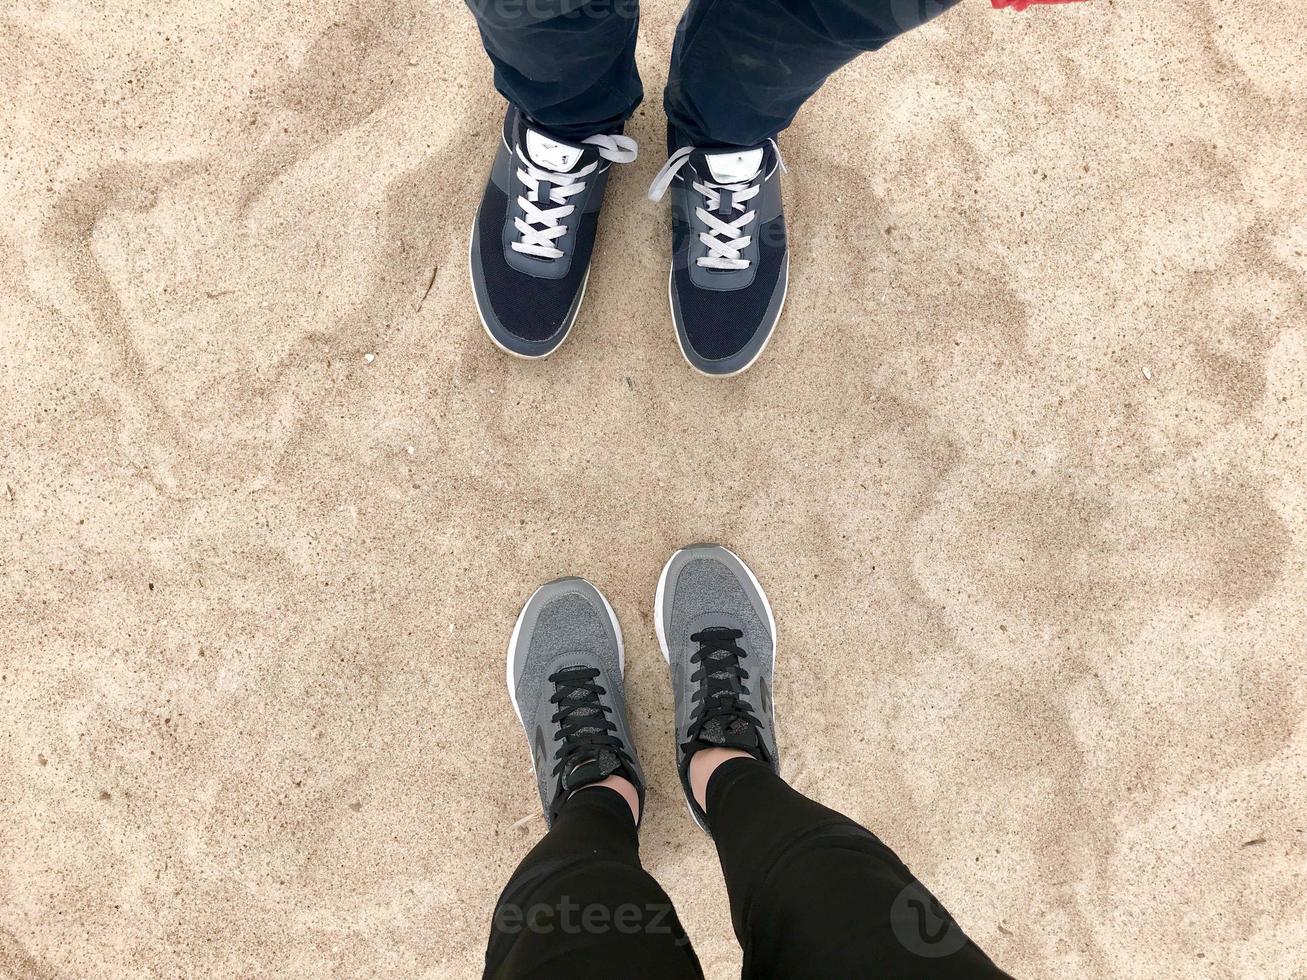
pixel 567 330
pixel 671 303
pixel 511 658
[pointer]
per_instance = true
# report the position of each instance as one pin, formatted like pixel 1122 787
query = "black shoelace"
pixel 724 716
pixel 584 728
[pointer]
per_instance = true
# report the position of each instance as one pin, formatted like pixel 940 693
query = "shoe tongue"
pixel 734 166
pixel 586 771
pixel 582 704
pixel 732 733
pixel 738 734
pixel 553 154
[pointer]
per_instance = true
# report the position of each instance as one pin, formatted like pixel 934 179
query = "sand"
pixel 1023 472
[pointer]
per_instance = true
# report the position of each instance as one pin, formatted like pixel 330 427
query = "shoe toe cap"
pixel 723 331
pixel 524 315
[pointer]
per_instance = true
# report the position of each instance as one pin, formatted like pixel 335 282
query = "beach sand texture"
pixel 1022 470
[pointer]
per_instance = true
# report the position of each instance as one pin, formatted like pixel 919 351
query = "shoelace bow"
pixel 542 227
pixel 584 728
pixel 721 690
pixel 725 239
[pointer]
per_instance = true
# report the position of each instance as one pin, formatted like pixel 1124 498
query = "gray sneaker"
pixel 565 663
pixel 534 233
pixel 718 636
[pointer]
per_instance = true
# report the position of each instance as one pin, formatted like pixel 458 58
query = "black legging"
pixel 812 895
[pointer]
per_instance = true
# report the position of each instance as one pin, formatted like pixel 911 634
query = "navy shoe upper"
pixel 527 301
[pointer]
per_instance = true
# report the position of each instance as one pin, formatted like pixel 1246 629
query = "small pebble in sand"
pixel 369 358
pixel 1148 374
pixel 410 449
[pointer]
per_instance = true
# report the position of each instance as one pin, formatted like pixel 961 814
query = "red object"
pixel 1023 4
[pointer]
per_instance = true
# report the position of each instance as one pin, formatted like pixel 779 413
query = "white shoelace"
pixel 542 226
pixel 725 239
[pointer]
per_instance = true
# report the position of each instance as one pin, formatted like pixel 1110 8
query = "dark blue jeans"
pixel 740 68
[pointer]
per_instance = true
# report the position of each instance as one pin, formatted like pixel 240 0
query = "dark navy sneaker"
pixel 565 663
pixel 730 262
pixel 535 230
pixel 718 637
